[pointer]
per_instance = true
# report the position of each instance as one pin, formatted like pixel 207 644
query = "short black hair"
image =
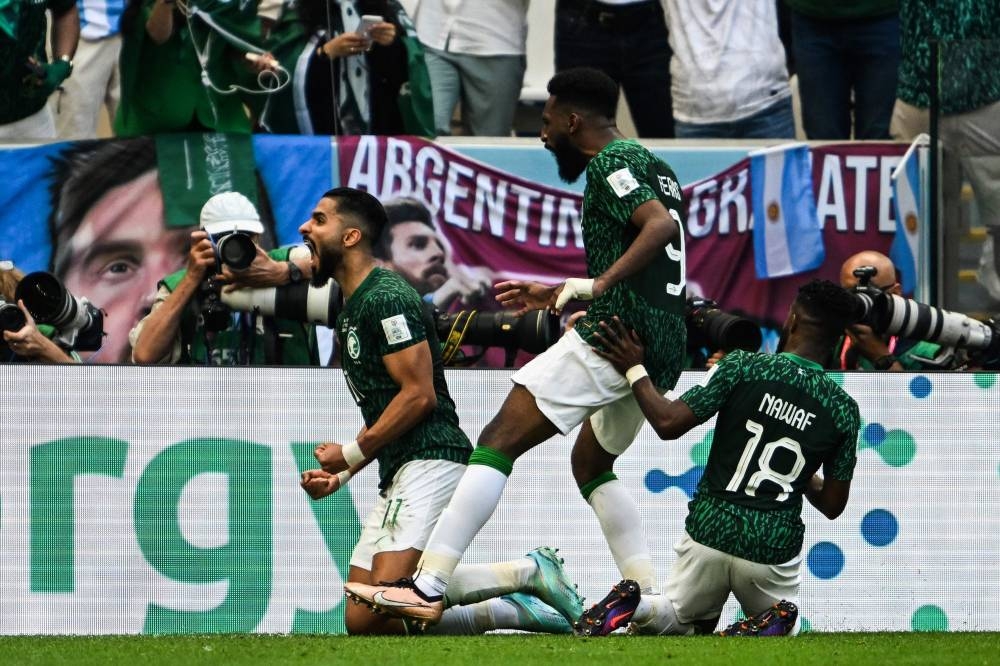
pixel 829 305
pixel 399 211
pixel 585 89
pixel 81 175
pixel 366 210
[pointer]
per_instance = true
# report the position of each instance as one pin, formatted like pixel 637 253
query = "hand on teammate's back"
pixel 621 346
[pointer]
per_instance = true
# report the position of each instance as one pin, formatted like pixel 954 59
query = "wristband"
pixel 884 362
pixel 344 477
pixel 635 373
pixel 353 454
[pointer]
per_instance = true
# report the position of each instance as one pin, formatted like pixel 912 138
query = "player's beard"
pixel 325 261
pixel 571 161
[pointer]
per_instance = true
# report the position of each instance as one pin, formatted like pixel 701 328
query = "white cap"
pixel 230 211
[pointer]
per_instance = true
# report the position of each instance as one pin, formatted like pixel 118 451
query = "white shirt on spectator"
pixel 728 61
pixel 473 27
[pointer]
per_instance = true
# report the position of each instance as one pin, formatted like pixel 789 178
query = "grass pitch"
pixel 516 649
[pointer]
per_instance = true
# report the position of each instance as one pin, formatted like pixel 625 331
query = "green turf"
pixel 819 649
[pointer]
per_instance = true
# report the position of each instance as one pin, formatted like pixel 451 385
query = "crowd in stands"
pixel 690 69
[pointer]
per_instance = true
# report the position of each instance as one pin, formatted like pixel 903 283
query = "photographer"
pixel 28 342
pixel 188 323
pixel 861 348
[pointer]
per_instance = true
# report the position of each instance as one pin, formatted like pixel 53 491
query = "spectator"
pixel 475 53
pixel 846 51
pixel 728 70
pixel 178 329
pixel 165 85
pixel 343 83
pixel 78 105
pixel 968 32
pixel 27 78
pixel 627 40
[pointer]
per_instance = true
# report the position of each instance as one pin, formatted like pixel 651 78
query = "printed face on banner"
pixel 119 253
pixel 416 253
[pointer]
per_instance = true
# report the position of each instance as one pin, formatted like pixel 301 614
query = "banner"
pixel 171 504
pixel 95 213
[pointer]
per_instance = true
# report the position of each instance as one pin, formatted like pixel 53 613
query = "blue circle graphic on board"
pixel 825 560
pixel 920 387
pixel 879 527
pixel 874 434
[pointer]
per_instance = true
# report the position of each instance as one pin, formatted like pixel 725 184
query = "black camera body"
pixel 11 317
pixel 710 327
pixel 79 324
pixel 236 250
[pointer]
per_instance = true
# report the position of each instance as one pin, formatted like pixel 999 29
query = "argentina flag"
pixel 908 206
pixel 787 238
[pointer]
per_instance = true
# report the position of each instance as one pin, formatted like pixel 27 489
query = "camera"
pixel 235 249
pixel 894 315
pixel 11 317
pixel 297 302
pixel 710 327
pixel 534 332
pixel 79 324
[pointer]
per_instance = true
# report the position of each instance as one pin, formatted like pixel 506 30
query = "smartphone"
pixel 368 21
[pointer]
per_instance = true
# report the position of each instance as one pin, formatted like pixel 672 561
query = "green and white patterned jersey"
pixel 780 419
pixel 620 178
pixel 383 316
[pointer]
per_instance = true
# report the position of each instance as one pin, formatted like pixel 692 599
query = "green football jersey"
pixel 620 178
pixel 383 316
pixel 780 419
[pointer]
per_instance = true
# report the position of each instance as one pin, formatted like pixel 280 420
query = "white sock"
pixel 655 616
pixel 472 504
pixel 475 582
pixel 477 618
pixel 619 518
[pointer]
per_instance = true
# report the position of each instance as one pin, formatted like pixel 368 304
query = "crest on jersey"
pixel 353 345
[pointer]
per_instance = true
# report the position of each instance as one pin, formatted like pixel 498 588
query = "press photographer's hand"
pixel 621 346
pixel 201 257
pixel 263 272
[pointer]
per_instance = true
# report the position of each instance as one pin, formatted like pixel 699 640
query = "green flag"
pixel 194 167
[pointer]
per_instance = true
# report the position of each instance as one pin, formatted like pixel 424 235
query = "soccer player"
pixel 780 419
pixel 392 365
pixel 634 239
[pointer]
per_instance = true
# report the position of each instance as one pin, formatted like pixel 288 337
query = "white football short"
pixel 702 578
pixel 571 383
pixel 407 511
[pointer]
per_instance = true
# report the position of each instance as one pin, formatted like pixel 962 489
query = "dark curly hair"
pixel 585 89
pixel 829 305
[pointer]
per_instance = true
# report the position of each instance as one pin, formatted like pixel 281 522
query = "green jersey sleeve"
pixel 708 396
pixel 841 465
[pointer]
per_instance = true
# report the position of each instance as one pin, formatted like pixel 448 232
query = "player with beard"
pixel 392 365
pixel 634 239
